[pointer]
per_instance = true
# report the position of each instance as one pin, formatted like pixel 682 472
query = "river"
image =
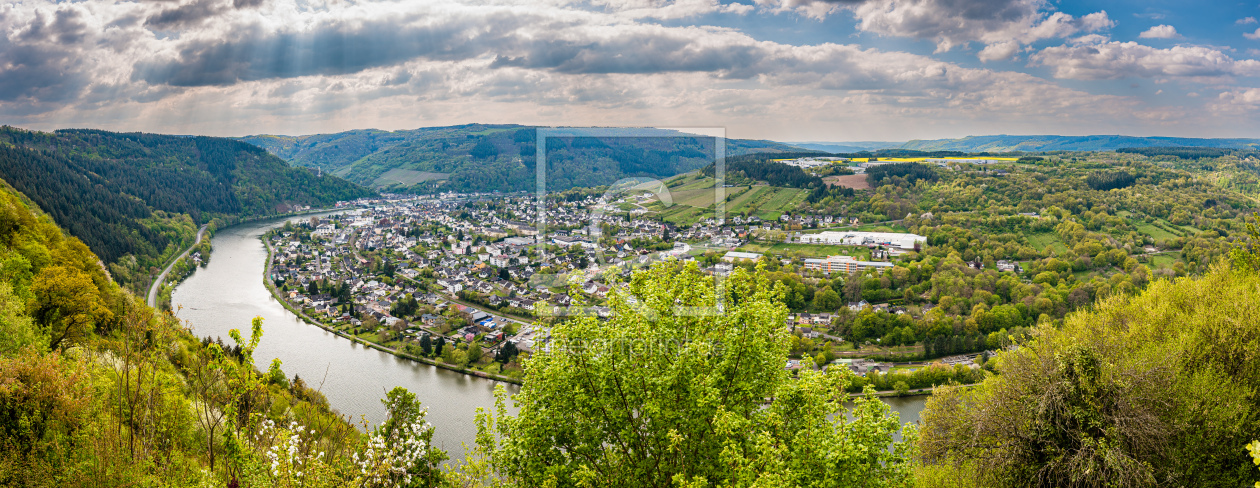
pixel 229 292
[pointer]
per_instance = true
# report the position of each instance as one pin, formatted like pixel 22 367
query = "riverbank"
pixel 275 293
pixel 156 286
pixel 160 289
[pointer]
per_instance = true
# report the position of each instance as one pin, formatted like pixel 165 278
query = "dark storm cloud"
pixel 43 71
pixel 42 62
pixel 187 14
pixel 68 26
pixel 638 53
pixel 336 48
pixel 333 48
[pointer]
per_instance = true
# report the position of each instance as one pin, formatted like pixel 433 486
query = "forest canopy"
pixel 763 167
pixel 901 173
pixel 1183 152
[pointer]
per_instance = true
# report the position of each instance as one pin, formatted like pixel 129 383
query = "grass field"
pixel 406 177
pixel 693 198
pixel 1154 231
pixel 877 227
pixel 806 250
pixel 1163 260
pixel 693 182
pixel 1046 239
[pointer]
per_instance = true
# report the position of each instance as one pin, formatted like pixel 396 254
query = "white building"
pixel 734 256
pixel 852 238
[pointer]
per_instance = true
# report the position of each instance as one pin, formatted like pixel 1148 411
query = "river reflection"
pixel 229 292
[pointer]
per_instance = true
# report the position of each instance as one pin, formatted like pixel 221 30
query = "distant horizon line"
pixel 675 128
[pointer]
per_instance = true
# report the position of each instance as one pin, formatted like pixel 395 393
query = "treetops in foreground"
pixel 1158 389
pixel 671 392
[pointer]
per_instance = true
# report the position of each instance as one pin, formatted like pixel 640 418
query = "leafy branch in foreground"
pixel 663 396
pixel 1254 449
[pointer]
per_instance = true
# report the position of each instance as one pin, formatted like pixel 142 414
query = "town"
pixel 470 280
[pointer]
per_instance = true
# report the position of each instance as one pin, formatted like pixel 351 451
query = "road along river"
pixel 229 292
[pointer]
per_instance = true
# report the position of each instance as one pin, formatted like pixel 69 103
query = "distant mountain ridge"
pixel 489 157
pixel 1004 143
pixel 846 147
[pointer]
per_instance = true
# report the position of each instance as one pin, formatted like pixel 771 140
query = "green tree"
pixel 506 352
pixel 426 344
pixel 17 330
pixel 1246 256
pixel 827 299
pixel 400 451
pixel 67 304
pixel 674 394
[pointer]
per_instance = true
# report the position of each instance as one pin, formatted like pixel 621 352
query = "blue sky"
pixel 794 70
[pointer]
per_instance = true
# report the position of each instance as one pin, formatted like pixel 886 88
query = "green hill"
pixel 484 157
pixel 101 390
pixel 135 198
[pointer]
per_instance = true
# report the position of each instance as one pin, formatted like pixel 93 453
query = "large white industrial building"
pixel 854 238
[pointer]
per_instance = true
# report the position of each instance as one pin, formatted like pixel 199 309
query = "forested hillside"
pixel 1157 389
pixel 132 198
pixel 97 389
pixel 481 157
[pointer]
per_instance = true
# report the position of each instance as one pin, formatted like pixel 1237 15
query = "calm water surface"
pixel 229 292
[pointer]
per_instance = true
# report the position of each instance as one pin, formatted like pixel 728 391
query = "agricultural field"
pixel 856 182
pixel 697 192
pixel 740 203
pixel 684 214
pixel 1156 231
pixel 784 199
pixel 406 177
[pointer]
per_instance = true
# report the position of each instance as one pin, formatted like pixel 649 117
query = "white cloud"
pixel 1003 26
pixel 1249 96
pixel 1253 35
pixel 999 51
pixel 1159 32
pixel 1236 102
pixel 1114 60
pixel 1245 21
pixel 670 9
